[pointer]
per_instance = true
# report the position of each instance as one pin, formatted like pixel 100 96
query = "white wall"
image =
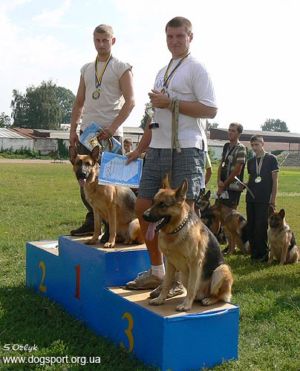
pixel 16 143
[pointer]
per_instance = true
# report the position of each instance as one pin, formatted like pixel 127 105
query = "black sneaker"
pixel 85 230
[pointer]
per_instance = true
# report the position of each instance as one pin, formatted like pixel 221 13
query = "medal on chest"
pixel 98 78
pixel 96 93
pixel 257 179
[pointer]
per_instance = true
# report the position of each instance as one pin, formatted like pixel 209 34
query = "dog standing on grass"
pixel 113 204
pixel 282 243
pixel 218 217
pixel 189 247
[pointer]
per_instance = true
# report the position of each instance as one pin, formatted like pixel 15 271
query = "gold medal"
pixel 257 179
pixel 98 78
pixel 96 94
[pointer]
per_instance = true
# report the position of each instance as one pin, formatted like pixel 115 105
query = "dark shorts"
pixel 188 164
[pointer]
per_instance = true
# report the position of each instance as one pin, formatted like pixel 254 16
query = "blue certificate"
pixel 113 170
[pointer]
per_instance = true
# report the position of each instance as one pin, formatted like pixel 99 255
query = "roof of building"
pixel 8 133
pixel 270 136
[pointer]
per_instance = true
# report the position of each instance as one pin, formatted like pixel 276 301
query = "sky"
pixel 249 47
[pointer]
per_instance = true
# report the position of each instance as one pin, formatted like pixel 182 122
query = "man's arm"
pixel 235 172
pixel 77 112
pixel 143 144
pixel 126 85
pixel 274 188
pixel 208 174
pixel 193 109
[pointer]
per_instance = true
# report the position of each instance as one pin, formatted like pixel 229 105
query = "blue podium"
pixel 87 281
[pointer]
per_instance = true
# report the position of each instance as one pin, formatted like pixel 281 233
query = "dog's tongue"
pixel 81 182
pixel 151 231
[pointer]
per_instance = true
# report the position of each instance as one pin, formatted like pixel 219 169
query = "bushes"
pixel 23 152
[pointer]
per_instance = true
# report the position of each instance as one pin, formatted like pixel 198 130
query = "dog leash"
pixel 174 106
pixel 245 185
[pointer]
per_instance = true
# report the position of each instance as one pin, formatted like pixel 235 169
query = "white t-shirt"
pixel 190 82
pixel 105 109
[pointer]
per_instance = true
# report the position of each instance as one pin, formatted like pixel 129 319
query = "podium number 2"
pixel 42 287
pixel 128 331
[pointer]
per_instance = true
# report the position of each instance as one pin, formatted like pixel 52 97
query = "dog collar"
pixel 182 224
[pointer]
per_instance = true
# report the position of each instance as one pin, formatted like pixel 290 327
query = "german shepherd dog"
pixel 209 217
pixel 281 239
pixel 219 217
pixel 113 204
pixel 189 247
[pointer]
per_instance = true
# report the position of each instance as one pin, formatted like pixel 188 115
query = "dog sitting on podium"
pixel 189 247
pixel 113 204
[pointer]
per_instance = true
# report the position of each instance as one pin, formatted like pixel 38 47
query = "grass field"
pixel 42 202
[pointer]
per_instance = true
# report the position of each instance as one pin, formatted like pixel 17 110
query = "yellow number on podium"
pixel 42 287
pixel 128 331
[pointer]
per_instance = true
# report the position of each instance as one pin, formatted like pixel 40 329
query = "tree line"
pixel 47 106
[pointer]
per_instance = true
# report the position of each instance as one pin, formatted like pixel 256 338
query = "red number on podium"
pixel 77 287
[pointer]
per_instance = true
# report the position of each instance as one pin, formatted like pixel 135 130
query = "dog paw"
pixel 208 301
pixel 109 245
pixel 156 301
pixel 183 307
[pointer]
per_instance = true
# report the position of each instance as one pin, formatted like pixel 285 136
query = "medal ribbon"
pixel 229 151
pixel 98 78
pixel 259 165
pixel 167 77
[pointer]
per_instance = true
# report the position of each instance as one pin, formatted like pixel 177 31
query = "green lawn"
pixel 42 202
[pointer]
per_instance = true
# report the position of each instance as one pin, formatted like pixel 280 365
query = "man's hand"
pixel 220 187
pixel 73 139
pixel 159 100
pixel 105 134
pixel 132 156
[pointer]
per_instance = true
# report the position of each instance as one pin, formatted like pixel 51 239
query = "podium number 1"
pixel 128 331
pixel 42 287
pixel 77 287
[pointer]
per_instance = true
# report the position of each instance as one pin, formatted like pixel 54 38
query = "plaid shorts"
pixel 188 164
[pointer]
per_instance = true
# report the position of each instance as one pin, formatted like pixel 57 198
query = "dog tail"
pixel 221 283
pixel 244 232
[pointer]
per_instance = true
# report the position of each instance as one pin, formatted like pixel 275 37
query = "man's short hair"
pixel 238 126
pixel 257 138
pixel 179 22
pixel 104 28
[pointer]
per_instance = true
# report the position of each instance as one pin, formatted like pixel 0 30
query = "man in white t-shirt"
pixel 105 96
pixel 174 147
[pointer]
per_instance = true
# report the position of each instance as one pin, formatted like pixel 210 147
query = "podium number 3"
pixel 128 331
pixel 42 287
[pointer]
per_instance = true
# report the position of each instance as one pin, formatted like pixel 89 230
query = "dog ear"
pixel 165 182
pixel 271 210
pixel 282 213
pixel 72 154
pixel 181 191
pixel 95 153
pixel 207 195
